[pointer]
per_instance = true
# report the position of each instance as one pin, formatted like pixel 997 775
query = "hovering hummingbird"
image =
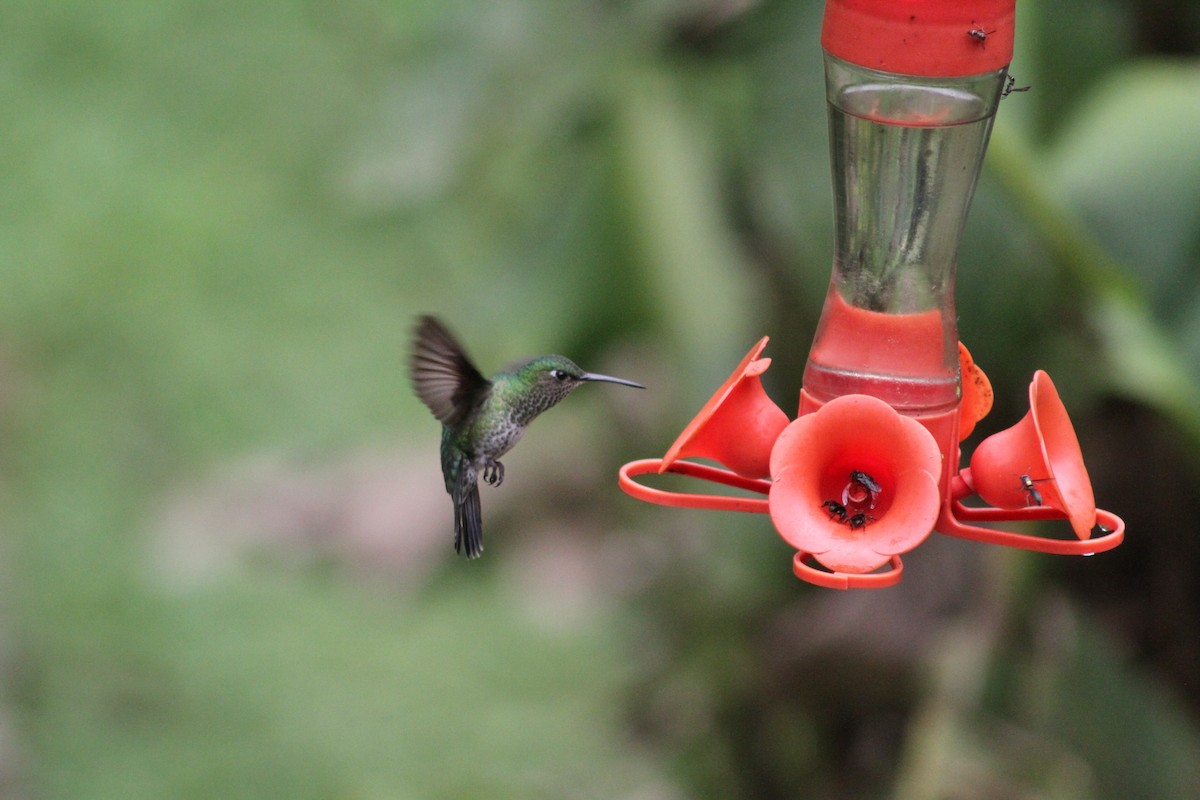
pixel 483 418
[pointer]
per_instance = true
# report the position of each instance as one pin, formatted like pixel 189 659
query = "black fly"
pixel 859 520
pixel 836 509
pixel 1010 86
pixel 865 480
pixel 1034 495
pixel 979 34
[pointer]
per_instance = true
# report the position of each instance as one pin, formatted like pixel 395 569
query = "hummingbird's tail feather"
pixel 468 523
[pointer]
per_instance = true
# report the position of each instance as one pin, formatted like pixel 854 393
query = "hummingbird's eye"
pixel 559 375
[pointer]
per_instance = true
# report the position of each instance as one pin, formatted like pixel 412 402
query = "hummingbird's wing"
pixel 442 375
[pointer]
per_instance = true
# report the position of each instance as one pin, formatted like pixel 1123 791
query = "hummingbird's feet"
pixel 493 473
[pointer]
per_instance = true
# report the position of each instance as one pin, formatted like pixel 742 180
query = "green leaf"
pixel 1129 161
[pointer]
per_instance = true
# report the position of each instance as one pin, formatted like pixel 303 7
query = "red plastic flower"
pixel 738 425
pixel 855 483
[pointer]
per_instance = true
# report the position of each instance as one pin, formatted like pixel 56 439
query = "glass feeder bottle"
pixel 908 129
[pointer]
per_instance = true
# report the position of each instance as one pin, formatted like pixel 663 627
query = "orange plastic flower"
pixel 976 393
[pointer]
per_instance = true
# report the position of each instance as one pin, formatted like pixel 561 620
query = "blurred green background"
pixel 226 562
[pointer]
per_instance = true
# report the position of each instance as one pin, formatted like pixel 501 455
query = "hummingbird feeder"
pixel 870 466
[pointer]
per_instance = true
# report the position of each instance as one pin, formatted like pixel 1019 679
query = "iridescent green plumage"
pixel 482 418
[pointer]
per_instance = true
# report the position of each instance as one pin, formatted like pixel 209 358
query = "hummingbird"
pixel 482 418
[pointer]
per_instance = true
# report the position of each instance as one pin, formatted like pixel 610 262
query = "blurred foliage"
pixel 218 223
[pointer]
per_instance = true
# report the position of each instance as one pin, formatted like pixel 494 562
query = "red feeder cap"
pixel 930 38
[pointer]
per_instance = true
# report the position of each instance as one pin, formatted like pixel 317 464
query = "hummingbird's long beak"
pixel 591 376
